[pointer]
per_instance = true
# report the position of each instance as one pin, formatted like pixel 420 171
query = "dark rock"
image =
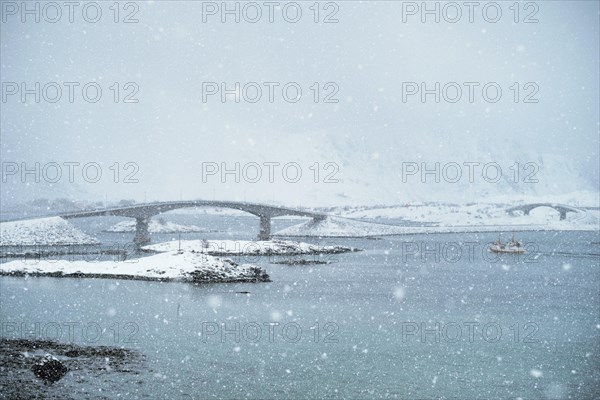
pixel 260 275
pixel 49 369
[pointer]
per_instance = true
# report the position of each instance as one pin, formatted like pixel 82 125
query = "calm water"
pixel 388 322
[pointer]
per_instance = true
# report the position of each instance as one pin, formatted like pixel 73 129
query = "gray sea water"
pixel 420 316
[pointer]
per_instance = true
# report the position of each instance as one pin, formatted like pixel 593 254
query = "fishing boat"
pixel 514 246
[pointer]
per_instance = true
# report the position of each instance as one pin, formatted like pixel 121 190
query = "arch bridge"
pixel 561 208
pixel 143 212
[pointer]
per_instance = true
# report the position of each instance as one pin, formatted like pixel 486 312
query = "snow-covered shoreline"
pixel 169 266
pixel 442 218
pixel 336 227
pixel 481 214
pixel 247 247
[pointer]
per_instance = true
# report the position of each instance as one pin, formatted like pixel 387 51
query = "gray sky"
pixel 368 134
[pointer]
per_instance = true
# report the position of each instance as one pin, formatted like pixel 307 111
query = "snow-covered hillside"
pixel 42 231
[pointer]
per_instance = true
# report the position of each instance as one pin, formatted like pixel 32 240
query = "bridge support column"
pixel 563 214
pixel 141 232
pixel 265 228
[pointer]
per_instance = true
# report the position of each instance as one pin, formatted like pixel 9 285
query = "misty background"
pixel 368 134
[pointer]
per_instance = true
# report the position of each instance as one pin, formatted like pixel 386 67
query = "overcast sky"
pixel 368 55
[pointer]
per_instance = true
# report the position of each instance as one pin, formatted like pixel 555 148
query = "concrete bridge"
pixel 561 208
pixel 143 212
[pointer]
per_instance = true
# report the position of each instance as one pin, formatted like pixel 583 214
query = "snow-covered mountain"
pixel 351 176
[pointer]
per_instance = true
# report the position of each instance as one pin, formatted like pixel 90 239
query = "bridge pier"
pixel 141 232
pixel 265 228
pixel 563 214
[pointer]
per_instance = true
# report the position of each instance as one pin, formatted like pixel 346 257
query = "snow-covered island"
pixel 42 232
pixel 157 226
pixel 183 266
pixel 247 247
